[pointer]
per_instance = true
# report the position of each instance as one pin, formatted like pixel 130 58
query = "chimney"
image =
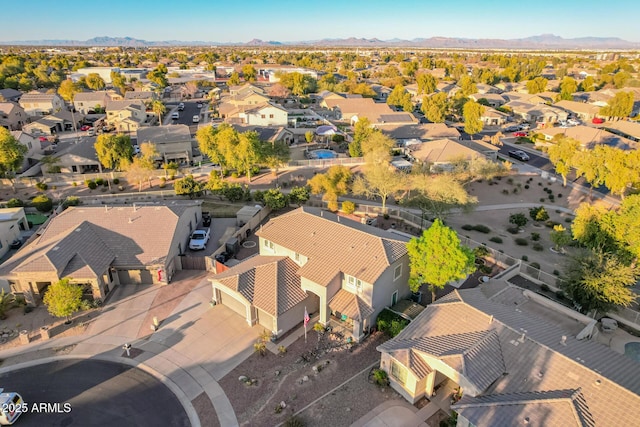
pixel 321 214
pixel 338 218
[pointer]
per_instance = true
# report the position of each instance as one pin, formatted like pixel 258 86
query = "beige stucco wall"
pixel 294 316
pixel 385 286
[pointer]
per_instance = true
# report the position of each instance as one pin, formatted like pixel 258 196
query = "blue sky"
pixel 285 20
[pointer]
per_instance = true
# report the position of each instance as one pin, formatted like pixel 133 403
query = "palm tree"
pixel 158 107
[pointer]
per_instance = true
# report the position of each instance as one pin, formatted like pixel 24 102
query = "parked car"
pixel 85 127
pixel 196 119
pixel 597 121
pixel 512 128
pixel 523 126
pixel 175 116
pixel 519 154
pixel 91 132
pixel 181 106
pixel 573 122
pixel 199 105
pixel 520 134
pixel 199 239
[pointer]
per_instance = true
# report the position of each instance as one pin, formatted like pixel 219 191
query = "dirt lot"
pixel 281 378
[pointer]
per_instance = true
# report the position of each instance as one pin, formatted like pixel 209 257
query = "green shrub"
pixel 496 239
pixel 42 203
pixel 15 203
pixel 538 214
pixel 544 287
pixel 535 236
pixel 559 195
pixel 526 186
pixel 116 181
pixel 556 273
pixel 505 191
pixel 348 207
pixel 467 227
pixel 513 230
pixel 551 223
pixel 99 181
pixel 482 228
pixel 294 422
pixel 481 251
pixel 258 196
pixel 538 247
pixel 390 323
pixel 542 200
pixel 74 184
pixel 485 269
pixel 42 186
pixel 520 241
pixel 380 377
pixel 71 201
pixel 560 294
pixel 535 265
pixel 92 185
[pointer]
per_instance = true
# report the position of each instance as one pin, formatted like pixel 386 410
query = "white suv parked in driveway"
pixel 199 239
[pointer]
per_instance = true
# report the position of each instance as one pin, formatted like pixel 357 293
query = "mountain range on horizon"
pixel 542 42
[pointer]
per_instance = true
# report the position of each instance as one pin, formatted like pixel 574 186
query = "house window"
pixel 397 272
pixel 271 116
pixel 296 256
pixel 352 282
pixel 398 372
pixel 262 116
pixel 269 245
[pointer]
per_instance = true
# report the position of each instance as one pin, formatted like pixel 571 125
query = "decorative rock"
pixel 305 378
pixel 283 405
pixel 315 369
pixel 243 378
pixel 5 335
pixel 348 409
pixel 277 373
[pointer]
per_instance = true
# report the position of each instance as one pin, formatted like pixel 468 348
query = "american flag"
pixel 306 317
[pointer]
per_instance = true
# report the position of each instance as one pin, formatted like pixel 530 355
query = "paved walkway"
pixel 193 348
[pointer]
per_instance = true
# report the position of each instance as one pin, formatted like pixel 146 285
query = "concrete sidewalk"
pixel 195 345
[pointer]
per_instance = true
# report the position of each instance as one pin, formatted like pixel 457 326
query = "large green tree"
pixel 472 111
pixel 426 83
pixel 63 298
pixel 113 151
pixel 12 155
pixel 567 88
pixel 598 281
pixel 399 97
pixel 380 180
pixel 188 186
pixel 94 81
pixel 562 154
pixel 435 107
pixel 331 184
pixel 620 106
pixel 158 108
pixel 537 85
pixel 437 258
pixel 361 131
pixel 249 73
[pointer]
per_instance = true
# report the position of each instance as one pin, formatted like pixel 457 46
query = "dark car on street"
pixel 519 154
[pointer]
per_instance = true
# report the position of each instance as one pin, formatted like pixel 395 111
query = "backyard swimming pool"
pixel 322 154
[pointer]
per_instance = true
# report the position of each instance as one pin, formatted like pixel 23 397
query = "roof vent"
pixel 598 382
pixel 78 229
pixel 130 220
pixel 526 420
pixel 56 248
pixel 521 339
pixel 540 374
pixel 563 340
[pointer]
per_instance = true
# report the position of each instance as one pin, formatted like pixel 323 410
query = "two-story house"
pixel 127 115
pixel 86 102
pixel 34 148
pixel 40 104
pixel 12 116
pixel 267 114
pixel 344 271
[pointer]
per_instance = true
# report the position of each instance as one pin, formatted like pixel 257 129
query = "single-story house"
pixel 625 128
pixel 79 158
pixel 441 153
pixel 267 133
pixel 537 113
pixel 589 137
pixel 493 99
pixel 34 148
pixel 493 117
pixel 581 110
pixel 418 132
pixel 515 361
pixel 344 271
pixel 10 95
pixel 99 247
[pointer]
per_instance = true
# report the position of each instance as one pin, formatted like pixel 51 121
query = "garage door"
pixel 135 277
pixel 265 319
pixel 231 302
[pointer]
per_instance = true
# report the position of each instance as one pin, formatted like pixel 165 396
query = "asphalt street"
pixel 98 393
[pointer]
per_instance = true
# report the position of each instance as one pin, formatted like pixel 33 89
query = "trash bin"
pixel 24 337
pixel 44 333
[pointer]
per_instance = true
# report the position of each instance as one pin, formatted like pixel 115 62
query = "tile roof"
pixel 568 408
pixel 376 112
pixel 535 360
pixel 578 107
pixel 419 131
pixel 38 97
pixel 443 151
pixel 350 304
pixel 334 245
pixel 270 283
pixel 163 134
pixel 91 96
pixel 589 136
pixel 125 103
pixel 96 237
pixel 413 361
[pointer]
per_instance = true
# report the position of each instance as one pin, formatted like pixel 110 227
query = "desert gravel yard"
pixel 281 378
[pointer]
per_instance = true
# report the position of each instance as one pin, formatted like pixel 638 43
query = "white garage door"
pixel 231 302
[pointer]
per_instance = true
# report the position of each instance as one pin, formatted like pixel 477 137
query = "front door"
pixel 394 298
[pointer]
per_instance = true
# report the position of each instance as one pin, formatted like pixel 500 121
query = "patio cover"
pixel 350 304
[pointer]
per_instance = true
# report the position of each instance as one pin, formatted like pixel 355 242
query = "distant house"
pixel 514 361
pixel 416 133
pixel 40 104
pixel 103 72
pixel 581 110
pixel 267 133
pixel 173 143
pixel 10 95
pixel 352 109
pixel 493 117
pixel 127 115
pixel 34 148
pixel 494 100
pixel 267 114
pixel 98 248
pixel 86 102
pixel 12 222
pixel 344 271
pixel 12 116
pixel 144 95
pixel 589 137
pixel 537 113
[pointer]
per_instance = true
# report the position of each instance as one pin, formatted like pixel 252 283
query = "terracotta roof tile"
pixel 350 304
